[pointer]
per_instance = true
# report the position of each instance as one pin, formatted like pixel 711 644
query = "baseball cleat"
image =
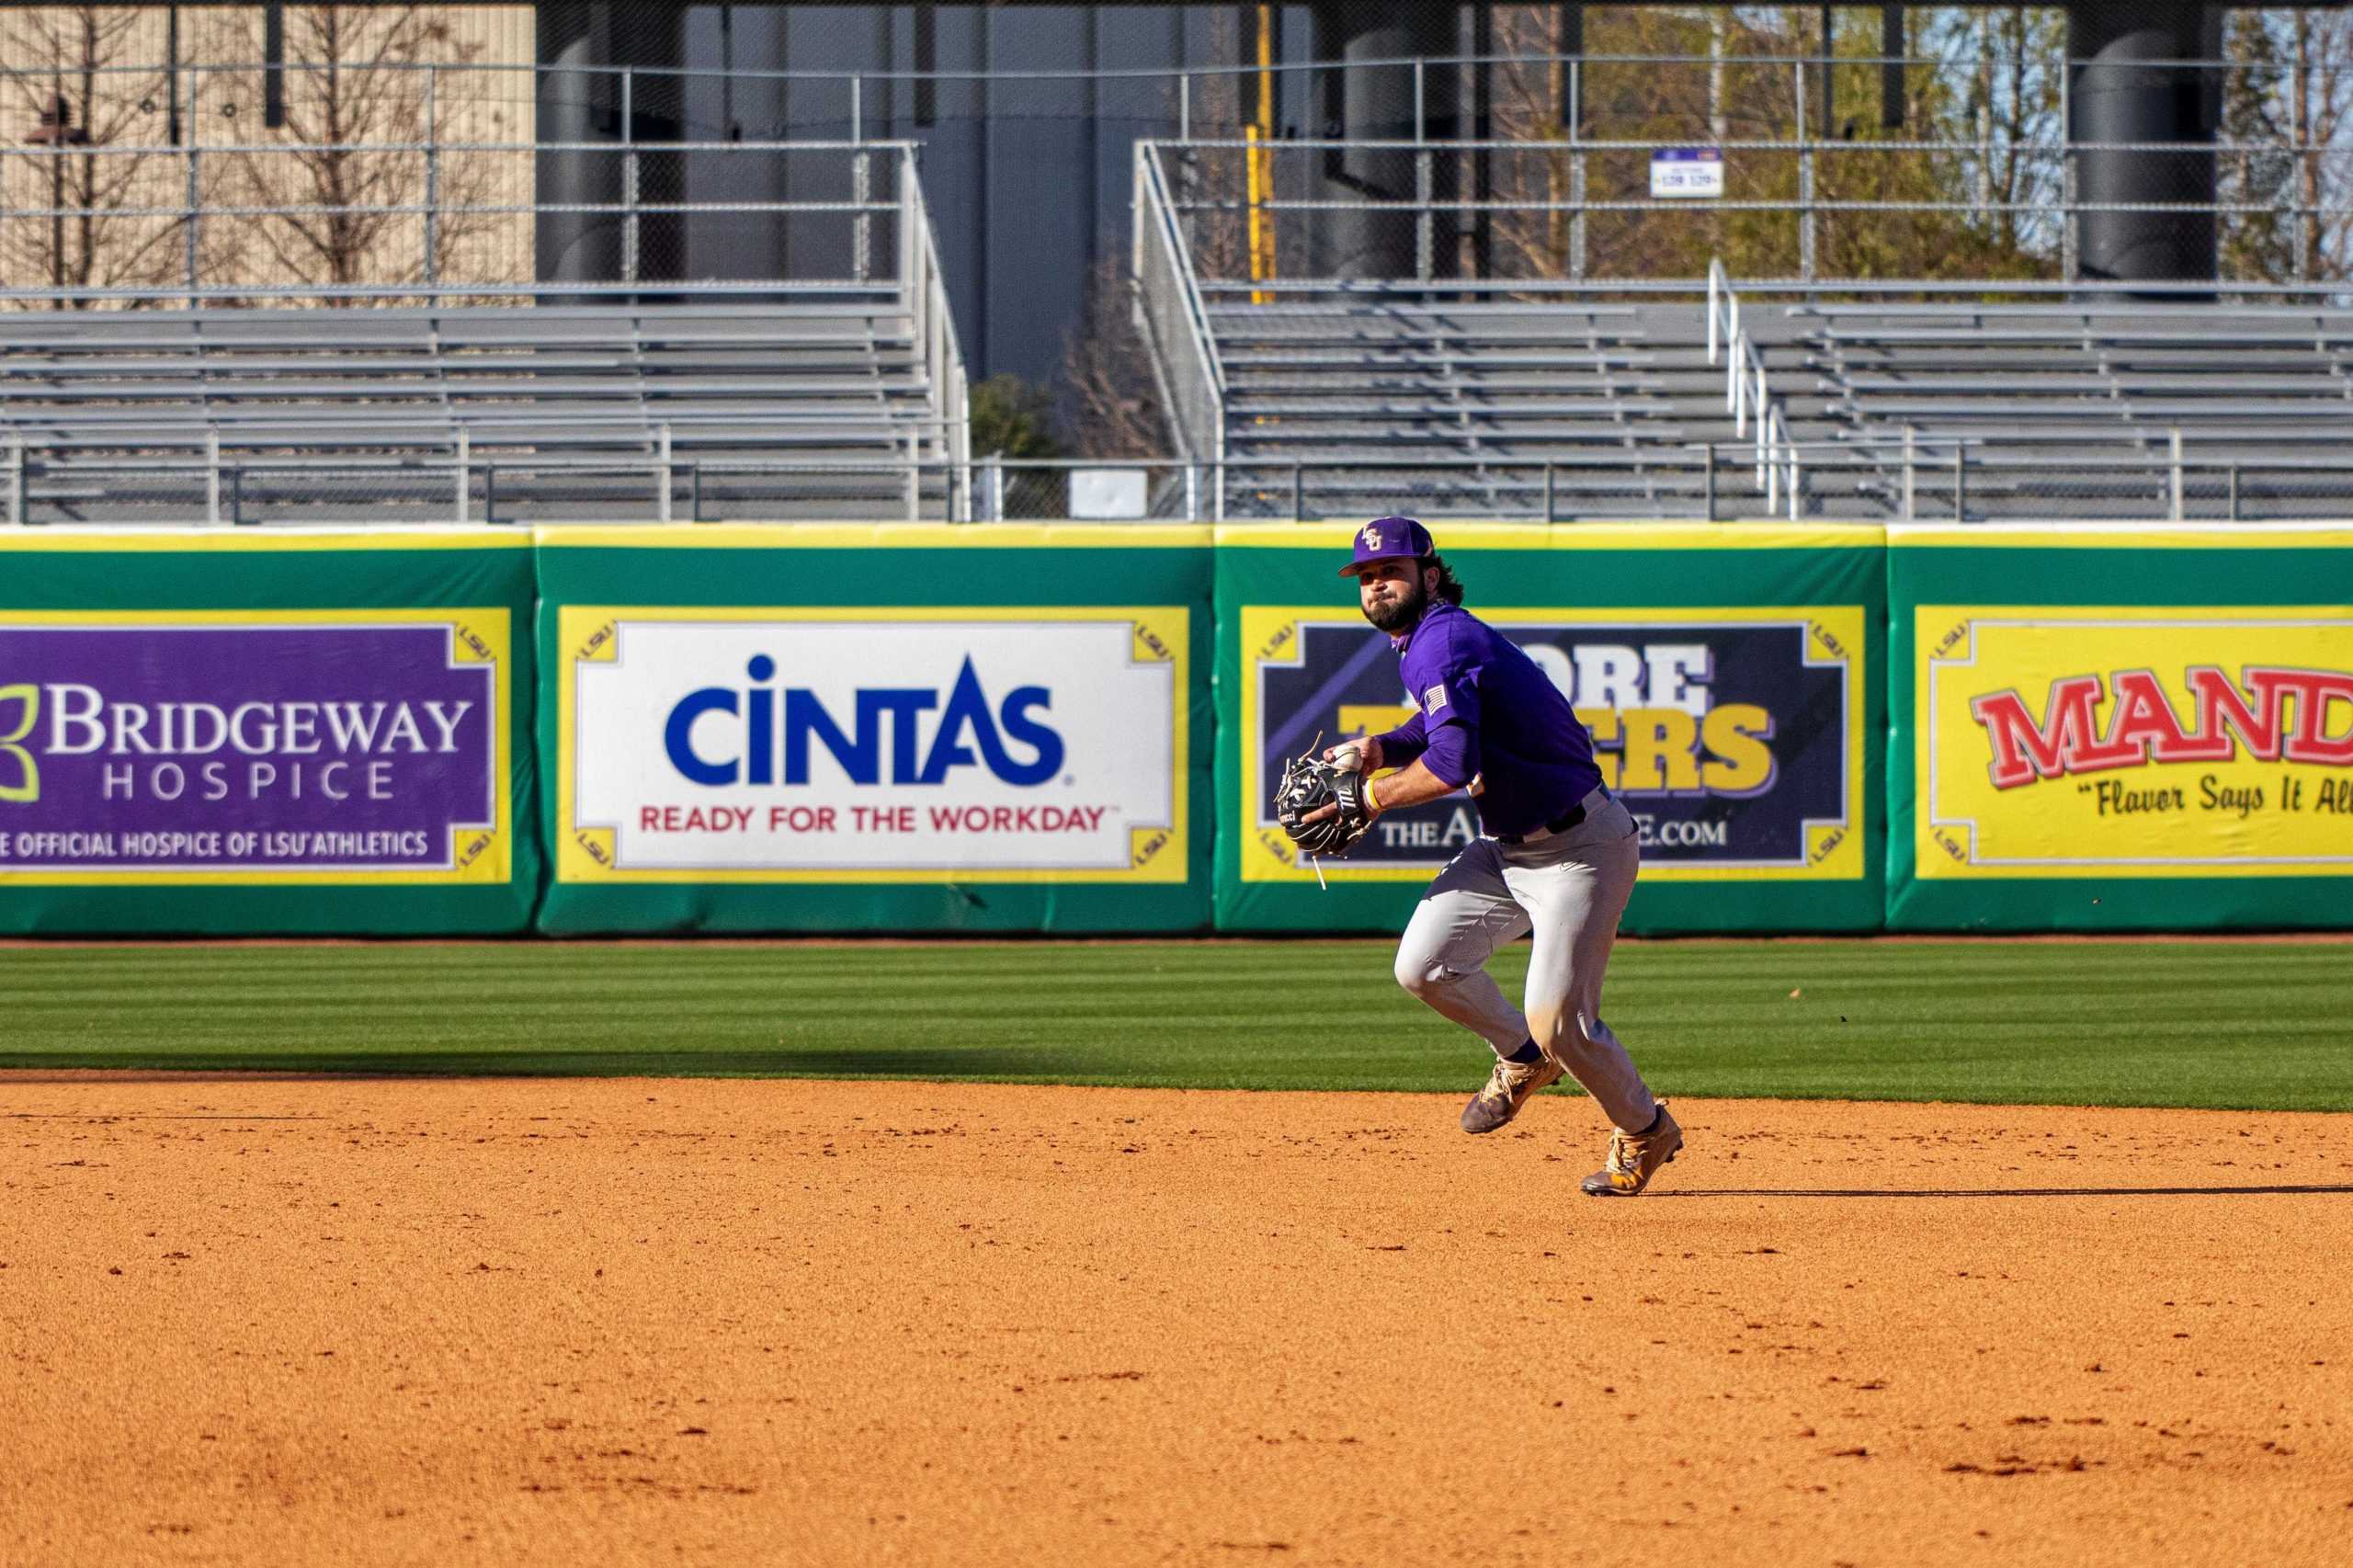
pixel 1635 1157
pixel 1505 1092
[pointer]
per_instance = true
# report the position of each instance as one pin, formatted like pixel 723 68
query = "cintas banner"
pixel 900 727
pixel 815 745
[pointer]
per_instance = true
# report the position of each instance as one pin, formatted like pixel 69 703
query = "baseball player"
pixel 1557 859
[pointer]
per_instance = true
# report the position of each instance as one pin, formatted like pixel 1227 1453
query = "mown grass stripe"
pixel 2251 1025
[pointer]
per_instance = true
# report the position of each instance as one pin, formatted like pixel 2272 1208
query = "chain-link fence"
pixel 1536 162
pixel 1311 213
pixel 1173 319
pixel 272 220
pixel 1935 479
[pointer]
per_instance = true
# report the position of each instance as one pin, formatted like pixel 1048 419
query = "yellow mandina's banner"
pixel 2058 742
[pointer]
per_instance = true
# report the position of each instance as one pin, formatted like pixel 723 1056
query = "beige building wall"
pixel 385 107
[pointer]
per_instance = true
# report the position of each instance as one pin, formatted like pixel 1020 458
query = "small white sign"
pixel 1109 494
pixel 1680 173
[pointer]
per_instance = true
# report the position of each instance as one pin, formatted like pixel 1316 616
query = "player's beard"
pixel 1408 613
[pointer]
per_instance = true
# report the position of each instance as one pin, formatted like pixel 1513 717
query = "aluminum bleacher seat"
pixel 2073 408
pixel 1338 406
pixel 543 393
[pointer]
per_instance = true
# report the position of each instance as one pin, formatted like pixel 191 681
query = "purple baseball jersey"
pixel 1482 706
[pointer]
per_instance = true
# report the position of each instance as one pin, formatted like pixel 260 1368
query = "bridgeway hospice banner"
pixel 900 727
pixel 298 732
pixel 2105 730
pixel 1728 673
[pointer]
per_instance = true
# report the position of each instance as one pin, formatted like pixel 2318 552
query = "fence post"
pixel 861 183
pixel 16 507
pixel 1708 477
pixel 212 477
pixel 628 177
pixel 2068 260
pixel 694 492
pixel 997 487
pixel 1184 106
pixel 1424 187
pixel 1192 493
pixel 2174 446
pixel 1796 470
pixel 192 223
pixel 490 493
pixel 1297 495
pixel 1960 481
pixel 465 470
pixel 1911 474
pixel 662 470
pixel 432 186
pixel 1805 180
pixel 861 186
pixel 1577 173
pixel 1547 493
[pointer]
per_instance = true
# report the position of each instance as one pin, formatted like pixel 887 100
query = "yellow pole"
pixel 1261 134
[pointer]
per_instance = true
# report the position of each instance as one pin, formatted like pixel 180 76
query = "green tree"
pixel 1013 419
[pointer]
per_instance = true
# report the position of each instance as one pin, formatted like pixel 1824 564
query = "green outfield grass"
pixel 2243 1025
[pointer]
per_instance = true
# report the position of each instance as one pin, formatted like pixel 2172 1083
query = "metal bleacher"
pixel 1865 400
pixel 1576 408
pixel 2095 406
pixel 829 399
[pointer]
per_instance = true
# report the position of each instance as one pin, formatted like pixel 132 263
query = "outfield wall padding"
pixel 1728 674
pixel 917 728
pixel 316 734
pixel 2121 727
pixel 877 727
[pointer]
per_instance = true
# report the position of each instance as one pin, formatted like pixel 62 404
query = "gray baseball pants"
pixel 1568 891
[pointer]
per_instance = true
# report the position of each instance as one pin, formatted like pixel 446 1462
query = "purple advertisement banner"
pixel 368 745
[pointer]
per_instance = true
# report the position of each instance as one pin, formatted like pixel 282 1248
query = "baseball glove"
pixel 1308 783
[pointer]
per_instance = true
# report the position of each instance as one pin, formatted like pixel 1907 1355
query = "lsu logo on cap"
pixel 1371 536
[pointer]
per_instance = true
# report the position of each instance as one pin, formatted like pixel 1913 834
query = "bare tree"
pixel 90 201
pixel 362 150
pixel 1110 400
pixel 2287 104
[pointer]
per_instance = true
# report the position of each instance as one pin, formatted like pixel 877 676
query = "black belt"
pixel 1560 824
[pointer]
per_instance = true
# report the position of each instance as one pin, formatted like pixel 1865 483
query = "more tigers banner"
pixel 1728 673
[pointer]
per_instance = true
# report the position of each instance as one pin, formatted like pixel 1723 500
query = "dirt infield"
pixel 280 1321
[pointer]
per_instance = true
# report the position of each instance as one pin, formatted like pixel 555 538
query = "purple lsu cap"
pixel 1388 539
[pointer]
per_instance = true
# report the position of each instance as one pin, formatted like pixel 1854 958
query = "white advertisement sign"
pixel 809 745
pixel 1687 172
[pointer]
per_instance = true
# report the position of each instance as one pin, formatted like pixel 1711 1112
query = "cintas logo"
pixel 2280 714
pixel 760 733
pixel 20 771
